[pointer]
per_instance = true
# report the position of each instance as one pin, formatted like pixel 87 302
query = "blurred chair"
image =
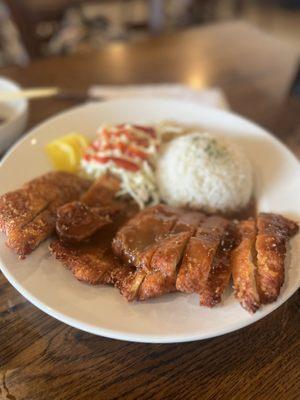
pixel 11 49
pixel 38 20
pixel 28 14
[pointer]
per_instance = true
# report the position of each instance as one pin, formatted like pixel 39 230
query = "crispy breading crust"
pixel 258 261
pixel 205 251
pixel 243 262
pixel 220 272
pixel 76 222
pixel 273 234
pixel 160 278
pixel 88 266
pixel 80 220
pixel 93 261
pixel 102 191
pixel 154 241
pixel 199 255
pixel 136 241
pixel 27 215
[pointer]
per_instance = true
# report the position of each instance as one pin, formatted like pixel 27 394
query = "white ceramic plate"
pixel 175 317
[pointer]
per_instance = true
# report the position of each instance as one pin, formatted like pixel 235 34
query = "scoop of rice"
pixel 203 171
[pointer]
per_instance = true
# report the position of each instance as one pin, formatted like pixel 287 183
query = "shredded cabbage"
pixel 140 185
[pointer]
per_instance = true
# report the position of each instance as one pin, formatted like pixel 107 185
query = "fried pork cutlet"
pixel 102 192
pixel 93 261
pixel 220 271
pixel 160 275
pixel 258 261
pixel 273 234
pixel 27 215
pixel 128 280
pixel 244 270
pixel 199 256
pixel 136 241
pixel 168 256
pixel 154 241
pixel 79 220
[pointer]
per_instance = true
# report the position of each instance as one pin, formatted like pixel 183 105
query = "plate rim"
pixel 136 338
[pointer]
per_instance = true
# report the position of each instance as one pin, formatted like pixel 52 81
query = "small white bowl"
pixel 15 114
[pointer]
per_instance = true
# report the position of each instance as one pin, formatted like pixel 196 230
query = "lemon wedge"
pixel 66 151
pixel 76 140
pixel 63 156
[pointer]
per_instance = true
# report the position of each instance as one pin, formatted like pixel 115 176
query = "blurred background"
pixel 42 28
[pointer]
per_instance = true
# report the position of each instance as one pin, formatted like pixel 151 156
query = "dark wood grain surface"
pixel 41 358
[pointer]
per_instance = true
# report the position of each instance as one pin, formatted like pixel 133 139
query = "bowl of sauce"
pixel 13 116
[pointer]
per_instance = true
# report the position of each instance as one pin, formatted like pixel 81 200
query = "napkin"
pixel 211 97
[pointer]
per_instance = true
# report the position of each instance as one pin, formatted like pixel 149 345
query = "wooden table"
pixel 41 358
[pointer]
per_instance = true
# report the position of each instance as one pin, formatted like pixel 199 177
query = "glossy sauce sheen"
pixel 101 241
pixel 92 261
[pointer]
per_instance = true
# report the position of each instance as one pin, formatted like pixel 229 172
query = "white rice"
pixel 203 171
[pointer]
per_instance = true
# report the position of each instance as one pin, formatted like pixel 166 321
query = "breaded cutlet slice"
pixel 199 255
pixel 136 241
pixel 91 264
pixel 27 215
pixel 92 261
pixel 244 269
pixel 258 261
pixel 273 234
pixel 220 271
pixel 160 250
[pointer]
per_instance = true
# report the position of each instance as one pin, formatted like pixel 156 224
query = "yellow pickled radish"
pixel 66 152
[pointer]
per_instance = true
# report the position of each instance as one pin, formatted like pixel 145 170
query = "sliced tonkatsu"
pixel 220 271
pixel 166 259
pixel 154 242
pixel 160 276
pixel 258 261
pixel 89 261
pixel 128 280
pixel 79 220
pixel 244 270
pixel 28 215
pixel 136 241
pixel 93 261
pixel 273 234
pixel 198 261
pixel 102 191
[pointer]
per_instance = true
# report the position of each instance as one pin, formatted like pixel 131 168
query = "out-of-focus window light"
pixel 196 80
